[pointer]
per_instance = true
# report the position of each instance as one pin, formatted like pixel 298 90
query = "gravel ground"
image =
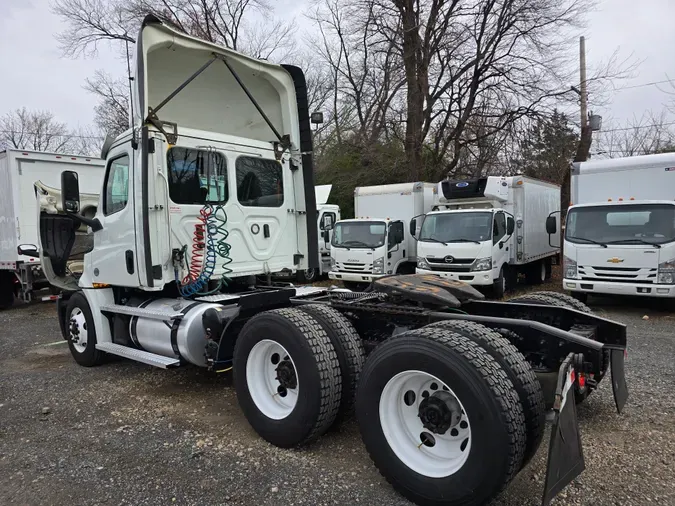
pixel 125 433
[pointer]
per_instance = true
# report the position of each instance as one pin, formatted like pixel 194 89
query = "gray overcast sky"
pixel 36 76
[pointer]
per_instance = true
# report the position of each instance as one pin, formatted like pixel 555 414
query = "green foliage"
pixel 349 164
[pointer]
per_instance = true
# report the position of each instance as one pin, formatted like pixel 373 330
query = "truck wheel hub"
pixel 440 412
pixel 78 330
pixel 286 375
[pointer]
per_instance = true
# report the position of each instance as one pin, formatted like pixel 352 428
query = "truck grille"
pixel 353 267
pixel 457 265
pixel 617 274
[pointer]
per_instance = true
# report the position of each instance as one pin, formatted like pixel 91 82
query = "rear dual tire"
pixel 440 364
pixel 296 372
pixel 7 289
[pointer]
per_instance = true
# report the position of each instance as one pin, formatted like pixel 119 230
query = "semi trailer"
pixel 450 390
pixel 20 270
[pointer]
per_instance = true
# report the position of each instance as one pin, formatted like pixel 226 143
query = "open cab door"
pixel 63 239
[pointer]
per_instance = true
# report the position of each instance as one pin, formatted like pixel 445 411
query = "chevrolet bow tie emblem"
pixel 615 260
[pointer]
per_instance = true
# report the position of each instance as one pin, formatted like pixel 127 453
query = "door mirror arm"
pixel 95 224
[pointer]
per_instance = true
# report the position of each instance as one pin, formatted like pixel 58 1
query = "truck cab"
pixel 212 183
pixel 620 228
pixel 486 231
pixel 363 250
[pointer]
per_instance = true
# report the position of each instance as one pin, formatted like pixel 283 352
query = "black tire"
pixel 561 300
pixel 580 296
pixel 483 388
pixel 317 369
pixel 568 300
pixel 307 276
pixel 535 273
pixel 90 356
pixel 350 352
pixel 519 372
pixel 6 289
pixel 499 285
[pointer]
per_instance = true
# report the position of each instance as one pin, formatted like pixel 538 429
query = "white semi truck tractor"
pixel 210 191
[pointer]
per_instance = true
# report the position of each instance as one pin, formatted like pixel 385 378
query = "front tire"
pixel 535 273
pixel 6 289
pixel 81 332
pixel 499 285
pixel 287 377
pixel 355 286
pixel 428 462
pixel 307 276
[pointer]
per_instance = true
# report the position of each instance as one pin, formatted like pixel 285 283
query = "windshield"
pixel 457 227
pixel 629 224
pixel 359 234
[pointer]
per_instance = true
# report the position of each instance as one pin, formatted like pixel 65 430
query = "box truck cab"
pixel 377 242
pixel 486 231
pixel 620 230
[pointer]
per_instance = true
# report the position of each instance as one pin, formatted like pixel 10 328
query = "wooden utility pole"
pixel 586 134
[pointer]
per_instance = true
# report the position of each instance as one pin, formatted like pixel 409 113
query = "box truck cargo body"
pixel 20 170
pixel 486 231
pixel 620 228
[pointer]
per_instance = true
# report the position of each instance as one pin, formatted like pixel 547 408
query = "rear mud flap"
pixel 619 387
pixel 565 455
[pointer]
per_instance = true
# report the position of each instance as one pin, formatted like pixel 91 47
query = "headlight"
pixel 569 268
pixel 422 263
pixel 482 264
pixel 666 274
pixel 378 266
pixel 332 263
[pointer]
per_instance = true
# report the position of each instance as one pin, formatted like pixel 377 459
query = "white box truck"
pixel 620 230
pixel 377 242
pixel 20 170
pixel 486 231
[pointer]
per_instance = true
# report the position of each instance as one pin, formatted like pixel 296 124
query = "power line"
pixel 638 127
pixel 16 132
pixel 645 84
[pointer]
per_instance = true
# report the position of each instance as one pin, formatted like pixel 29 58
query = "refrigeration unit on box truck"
pixel 377 241
pixel 486 231
pixel 20 170
pixel 620 228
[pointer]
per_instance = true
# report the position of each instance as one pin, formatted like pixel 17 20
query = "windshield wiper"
pixel 588 240
pixel 356 243
pixel 433 239
pixel 464 240
pixel 635 239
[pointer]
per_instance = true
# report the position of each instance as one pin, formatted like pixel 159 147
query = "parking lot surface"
pixel 126 433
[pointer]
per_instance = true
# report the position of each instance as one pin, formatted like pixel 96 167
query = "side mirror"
pixel 326 236
pixel 29 250
pixel 551 225
pixel 413 227
pixel 70 191
pixel 327 222
pixel 510 225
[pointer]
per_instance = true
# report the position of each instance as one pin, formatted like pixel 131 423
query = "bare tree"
pixel 36 130
pixel 649 134
pixel 39 131
pixel 112 111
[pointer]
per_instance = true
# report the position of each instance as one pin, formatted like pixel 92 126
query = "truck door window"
pixel 259 182
pixel 499 227
pixel 116 193
pixel 197 176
